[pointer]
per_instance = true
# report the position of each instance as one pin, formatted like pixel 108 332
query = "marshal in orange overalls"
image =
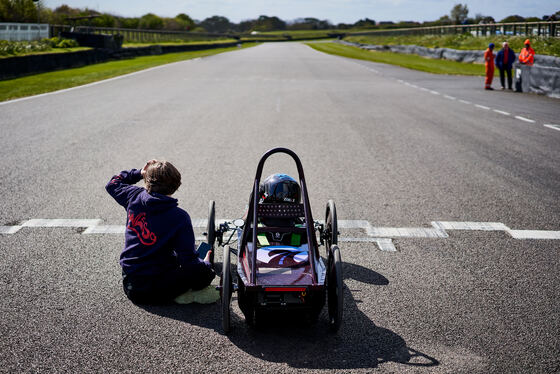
pixel 527 55
pixel 489 64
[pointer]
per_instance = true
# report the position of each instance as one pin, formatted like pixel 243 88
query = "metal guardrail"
pixel 542 29
pixel 151 36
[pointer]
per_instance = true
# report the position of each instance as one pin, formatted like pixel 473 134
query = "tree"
pixel 309 23
pixel 459 13
pixel 513 18
pixel 150 21
pixel 104 20
pixel 246 25
pixel 479 18
pixel 216 24
pixel 18 11
pixel 129 23
pixel 185 21
pixel 365 23
pixel 443 20
pixel 265 23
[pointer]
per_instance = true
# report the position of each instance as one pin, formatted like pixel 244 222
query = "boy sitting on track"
pixel 159 260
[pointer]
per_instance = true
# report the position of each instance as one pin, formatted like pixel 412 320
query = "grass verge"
pixel 408 61
pixel 58 80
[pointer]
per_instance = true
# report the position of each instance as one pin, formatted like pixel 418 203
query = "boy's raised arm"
pixel 120 187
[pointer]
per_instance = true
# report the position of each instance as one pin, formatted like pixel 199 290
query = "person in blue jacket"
pixel 504 61
pixel 159 260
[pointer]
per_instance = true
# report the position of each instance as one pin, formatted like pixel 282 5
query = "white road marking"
pixel 484 226
pixel 525 119
pixel 534 234
pixel 405 232
pixel 9 229
pixel 400 81
pixel 112 229
pixel 199 222
pixel 386 245
pixel 424 89
pixel 353 224
pixel 554 127
pixel 382 236
pixel 61 222
pixel 464 101
pixel 434 92
pixel 450 97
pixel 501 112
pixel 481 106
pixel 414 86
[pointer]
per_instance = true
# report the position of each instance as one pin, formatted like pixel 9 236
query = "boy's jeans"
pixel 163 288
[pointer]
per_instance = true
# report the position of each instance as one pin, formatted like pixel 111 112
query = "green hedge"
pixel 9 48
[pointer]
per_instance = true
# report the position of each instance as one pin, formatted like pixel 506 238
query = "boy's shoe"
pixel 503 88
pixel 490 88
pixel 208 295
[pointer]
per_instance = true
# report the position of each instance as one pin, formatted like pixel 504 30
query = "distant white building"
pixel 23 31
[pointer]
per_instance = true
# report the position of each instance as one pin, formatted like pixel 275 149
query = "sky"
pixel 336 11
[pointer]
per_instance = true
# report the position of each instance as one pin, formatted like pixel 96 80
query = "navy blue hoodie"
pixel 159 235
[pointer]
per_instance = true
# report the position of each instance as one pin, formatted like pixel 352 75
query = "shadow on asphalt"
pixel 358 344
pixel 195 314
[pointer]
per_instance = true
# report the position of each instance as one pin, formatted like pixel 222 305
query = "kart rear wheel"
pixel 226 290
pixel 211 224
pixel 335 289
pixel 331 226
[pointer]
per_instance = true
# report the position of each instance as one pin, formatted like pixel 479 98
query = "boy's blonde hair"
pixel 162 177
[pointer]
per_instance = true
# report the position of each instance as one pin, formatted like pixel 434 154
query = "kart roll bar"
pixel 311 239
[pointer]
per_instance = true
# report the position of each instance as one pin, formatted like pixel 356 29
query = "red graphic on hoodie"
pixel 139 225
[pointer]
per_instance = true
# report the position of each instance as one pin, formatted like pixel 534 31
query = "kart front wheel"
pixel 335 289
pixel 226 291
pixel 331 226
pixel 211 224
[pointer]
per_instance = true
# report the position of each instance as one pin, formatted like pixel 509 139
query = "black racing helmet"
pixel 279 188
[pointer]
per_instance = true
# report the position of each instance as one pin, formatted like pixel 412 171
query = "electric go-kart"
pixel 274 276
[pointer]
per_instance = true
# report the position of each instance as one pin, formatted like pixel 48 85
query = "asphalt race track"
pixel 401 152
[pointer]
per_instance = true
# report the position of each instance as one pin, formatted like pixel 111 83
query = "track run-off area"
pixel 446 194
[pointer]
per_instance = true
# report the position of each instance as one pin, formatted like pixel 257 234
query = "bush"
pixel 67 43
pixel 8 48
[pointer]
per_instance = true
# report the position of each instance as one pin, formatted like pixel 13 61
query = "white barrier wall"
pixel 23 31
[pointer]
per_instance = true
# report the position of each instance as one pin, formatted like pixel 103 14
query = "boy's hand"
pixel 143 171
pixel 209 257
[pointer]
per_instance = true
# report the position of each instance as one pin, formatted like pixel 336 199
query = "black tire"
pixel 226 290
pixel 211 224
pixel 335 289
pixel 331 226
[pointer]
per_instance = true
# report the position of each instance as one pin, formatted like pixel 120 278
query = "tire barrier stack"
pixel 541 78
